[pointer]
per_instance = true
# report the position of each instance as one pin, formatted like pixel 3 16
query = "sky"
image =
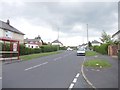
pixel 64 19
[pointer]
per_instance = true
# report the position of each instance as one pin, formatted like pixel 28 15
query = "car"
pixel 81 51
pixel 69 49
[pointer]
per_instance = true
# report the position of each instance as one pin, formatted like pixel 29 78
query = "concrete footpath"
pixel 103 78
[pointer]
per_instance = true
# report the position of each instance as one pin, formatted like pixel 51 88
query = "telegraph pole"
pixel 58 39
pixel 87 37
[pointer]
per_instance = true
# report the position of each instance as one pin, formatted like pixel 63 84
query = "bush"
pixel 103 49
pixel 48 48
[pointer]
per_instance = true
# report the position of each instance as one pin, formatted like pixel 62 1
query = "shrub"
pixel 103 49
pixel 48 48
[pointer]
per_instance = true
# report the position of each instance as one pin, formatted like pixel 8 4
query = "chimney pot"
pixel 8 22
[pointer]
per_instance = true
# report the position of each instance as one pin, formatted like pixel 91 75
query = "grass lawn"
pixel 97 63
pixel 90 53
pixel 33 56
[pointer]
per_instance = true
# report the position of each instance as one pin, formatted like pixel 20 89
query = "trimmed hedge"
pixel 49 48
pixel 26 51
pixel 103 49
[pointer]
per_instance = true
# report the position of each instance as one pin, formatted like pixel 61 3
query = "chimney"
pixel 8 22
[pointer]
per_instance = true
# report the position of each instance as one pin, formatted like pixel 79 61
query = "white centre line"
pixel 71 86
pixel 35 66
pixel 77 75
pixel 75 80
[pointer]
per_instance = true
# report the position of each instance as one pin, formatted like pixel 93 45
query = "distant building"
pixel 33 43
pixel 95 43
pixel 56 42
pixel 10 32
pixel 82 46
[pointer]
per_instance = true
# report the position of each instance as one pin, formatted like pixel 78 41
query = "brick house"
pixel 10 32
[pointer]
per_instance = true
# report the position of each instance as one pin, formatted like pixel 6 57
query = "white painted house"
pixel 116 36
pixel 57 42
pixel 95 43
pixel 33 43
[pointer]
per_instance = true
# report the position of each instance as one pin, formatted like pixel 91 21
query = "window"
pixel 36 46
pixel 32 46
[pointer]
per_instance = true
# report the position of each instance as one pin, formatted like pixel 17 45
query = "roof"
pixel 95 41
pixel 33 40
pixel 56 41
pixel 116 33
pixel 6 26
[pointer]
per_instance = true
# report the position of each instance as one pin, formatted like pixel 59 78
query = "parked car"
pixel 81 51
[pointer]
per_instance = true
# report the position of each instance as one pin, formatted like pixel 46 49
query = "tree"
pixel 105 38
pixel 89 45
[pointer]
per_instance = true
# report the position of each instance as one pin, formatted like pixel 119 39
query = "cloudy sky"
pixel 69 18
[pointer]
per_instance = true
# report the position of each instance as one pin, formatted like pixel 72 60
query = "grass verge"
pixel 33 56
pixel 90 53
pixel 97 63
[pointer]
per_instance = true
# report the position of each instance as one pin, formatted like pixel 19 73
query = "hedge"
pixel 25 50
pixel 103 49
pixel 49 48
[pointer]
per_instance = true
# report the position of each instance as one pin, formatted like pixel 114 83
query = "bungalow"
pixel 57 42
pixel 33 43
pixel 95 43
pixel 10 32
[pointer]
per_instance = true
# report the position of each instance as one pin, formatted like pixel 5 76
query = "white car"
pixel 81 51
pixel 69 49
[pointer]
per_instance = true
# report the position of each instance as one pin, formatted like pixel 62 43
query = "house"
pixel 57 42
pixel 82 46
pixel 33 43
pixel 95 43
pixel 116 36
pixel 10 32
pixel 113 49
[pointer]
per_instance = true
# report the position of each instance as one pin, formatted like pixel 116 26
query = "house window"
pixel 28 45
pixel 8 34
pixel 31 46
pixel 36 46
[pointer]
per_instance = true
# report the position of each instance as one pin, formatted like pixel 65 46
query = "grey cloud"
pixel 99 16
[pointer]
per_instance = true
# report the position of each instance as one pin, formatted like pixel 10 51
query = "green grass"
pixel 33 56
pixel 90 53
pixel 92 63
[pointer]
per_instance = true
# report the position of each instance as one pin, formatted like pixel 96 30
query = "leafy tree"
pixel 105 38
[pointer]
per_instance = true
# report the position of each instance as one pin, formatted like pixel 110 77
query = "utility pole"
pixel 58 39
pixel 87 37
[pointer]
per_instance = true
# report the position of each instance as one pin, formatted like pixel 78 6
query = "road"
pixel 54 71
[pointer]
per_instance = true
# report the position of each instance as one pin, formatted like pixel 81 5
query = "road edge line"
pixel 86 79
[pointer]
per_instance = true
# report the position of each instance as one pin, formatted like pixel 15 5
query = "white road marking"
pixel 77 75
pixel 35 66
pixel 75 80
pixel 71 85
pixel 57 58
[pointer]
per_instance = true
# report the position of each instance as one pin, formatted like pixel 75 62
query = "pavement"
pixel 103 78
pixel 54 71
